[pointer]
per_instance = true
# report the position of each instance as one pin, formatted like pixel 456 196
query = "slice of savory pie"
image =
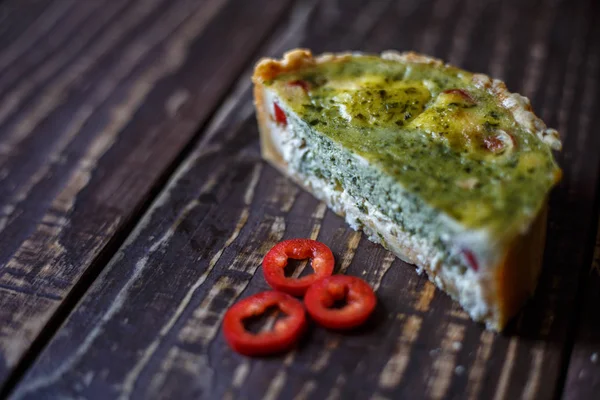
pixel 443 167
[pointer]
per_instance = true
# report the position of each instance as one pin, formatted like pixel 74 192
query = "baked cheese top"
pixel 432 129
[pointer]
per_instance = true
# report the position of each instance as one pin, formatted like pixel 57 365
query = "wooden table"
pixel 135 208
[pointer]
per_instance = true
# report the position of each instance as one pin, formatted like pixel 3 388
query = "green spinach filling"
pixel 325 160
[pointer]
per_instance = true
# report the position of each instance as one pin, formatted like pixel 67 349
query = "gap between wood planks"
pixel 116 241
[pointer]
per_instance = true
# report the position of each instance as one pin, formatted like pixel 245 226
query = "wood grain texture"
pixel 97 101
pixel 150 325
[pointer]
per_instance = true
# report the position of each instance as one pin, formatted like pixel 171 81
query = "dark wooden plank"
pixel 23 19
pixel 150 325
pixel 97 101
pixel 583 377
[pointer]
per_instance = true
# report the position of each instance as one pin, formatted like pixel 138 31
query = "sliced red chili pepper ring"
pixel 285 333
pixel 358 295
pixel 276 260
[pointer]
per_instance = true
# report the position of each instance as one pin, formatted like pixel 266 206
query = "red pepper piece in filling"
pixel 499 142
pixel 303 84
pixel 462 93
pixel 493 144
pixel 285 333
pixel 280 117
pixel 298 249
pixel 471 260
pixel 359 298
